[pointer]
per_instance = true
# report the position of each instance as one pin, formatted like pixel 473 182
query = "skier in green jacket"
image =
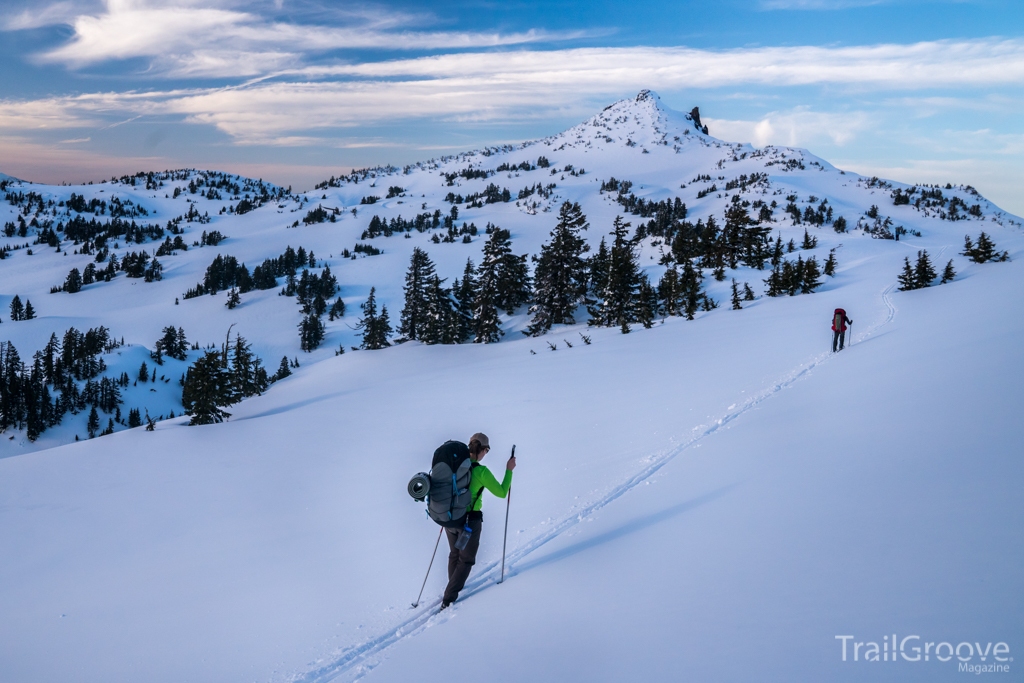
pixel 461 561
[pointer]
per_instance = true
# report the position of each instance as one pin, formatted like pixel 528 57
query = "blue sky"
pixel 294 91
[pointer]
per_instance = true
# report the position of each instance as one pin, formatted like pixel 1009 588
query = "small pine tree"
pixel 985 249
pixel 134 418
pixel 736 305
pixel 620 296
pixel 646 307
pixel 560 277
pixel 811 276
pixel 809 242
pixel 748 293
pixel 670 292
pixel 907 279
pixel 376 328
pixel 417 279
pixel 924 273
pixel 597 269
pixel 948 273
pixel 465 299
pixel 830 263
pixel 337 310
pixel 486 322
pixel 283 370
pixel 207 387
pixel 17 309
pixel 311 332
pixel 93 423
pixel 143 372
pixel 233 298
pixel 29 311
pixel 73 282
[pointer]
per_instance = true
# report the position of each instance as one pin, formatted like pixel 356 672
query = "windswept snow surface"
pixel 715 499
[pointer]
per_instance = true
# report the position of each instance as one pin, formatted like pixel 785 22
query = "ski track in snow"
pixel 359 660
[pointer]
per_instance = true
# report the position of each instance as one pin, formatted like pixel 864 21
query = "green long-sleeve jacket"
pixel 481 478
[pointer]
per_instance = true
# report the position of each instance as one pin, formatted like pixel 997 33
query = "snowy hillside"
pixel 714 499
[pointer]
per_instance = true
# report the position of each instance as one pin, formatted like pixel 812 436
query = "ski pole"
pixel 508 503
pixel 417 603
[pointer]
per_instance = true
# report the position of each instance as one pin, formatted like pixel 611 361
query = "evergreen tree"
pixel 748 293
pixel 968 248
pixel 736 305
pixel 560 277
pixel 810 277
pixel 692 279
pixel 233 298
pixel 647 303
pixel 486 323
pixel 985 250
pixel 597 268
pixel 143 372
pixel 29 311
pixel 830 263
pixel 777 251
pixel 93 423
pixel 441 325
pixel 908 278
pixel 513 275
pixel 924 273
pixel 337 310
pixel 248 376
pixel 376 328
pixel 620 298
pixel 17 309
pixel 283 370
pixel 417 279
pixel 948 273
pixel 311 332
pixel 73 282
pixel 134 418
pixel 671 293
pixel 465 301
pixel 809 242
pixel 207 388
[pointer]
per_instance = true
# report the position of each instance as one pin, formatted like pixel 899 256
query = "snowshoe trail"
pixel 357 661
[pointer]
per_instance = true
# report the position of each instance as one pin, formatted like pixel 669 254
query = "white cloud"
pixel 177 35
pixel 798 128
pixel 299 103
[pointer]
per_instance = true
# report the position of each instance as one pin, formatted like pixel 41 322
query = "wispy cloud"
pixel 176 36
pixel 299 104
pixel 797 128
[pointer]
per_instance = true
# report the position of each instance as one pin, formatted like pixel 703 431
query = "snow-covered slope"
pixel 713 499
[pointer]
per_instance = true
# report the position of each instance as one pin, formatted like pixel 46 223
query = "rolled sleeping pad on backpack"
pixel 419 486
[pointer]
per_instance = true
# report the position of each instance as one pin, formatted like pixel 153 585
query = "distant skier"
pixel 461 561
pixel 839 321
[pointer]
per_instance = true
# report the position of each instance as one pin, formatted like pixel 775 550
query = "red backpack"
pixel 839 320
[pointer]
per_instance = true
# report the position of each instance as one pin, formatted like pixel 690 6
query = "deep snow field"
pixel 708 500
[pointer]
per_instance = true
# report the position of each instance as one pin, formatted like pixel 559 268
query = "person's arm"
pixel 489 482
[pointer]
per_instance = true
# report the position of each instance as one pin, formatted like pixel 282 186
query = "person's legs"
pixel 835 340
pixel 842 339
pixel 458 571
pixel 453 554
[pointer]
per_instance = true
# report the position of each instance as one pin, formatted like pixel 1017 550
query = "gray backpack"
pixel 446 488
